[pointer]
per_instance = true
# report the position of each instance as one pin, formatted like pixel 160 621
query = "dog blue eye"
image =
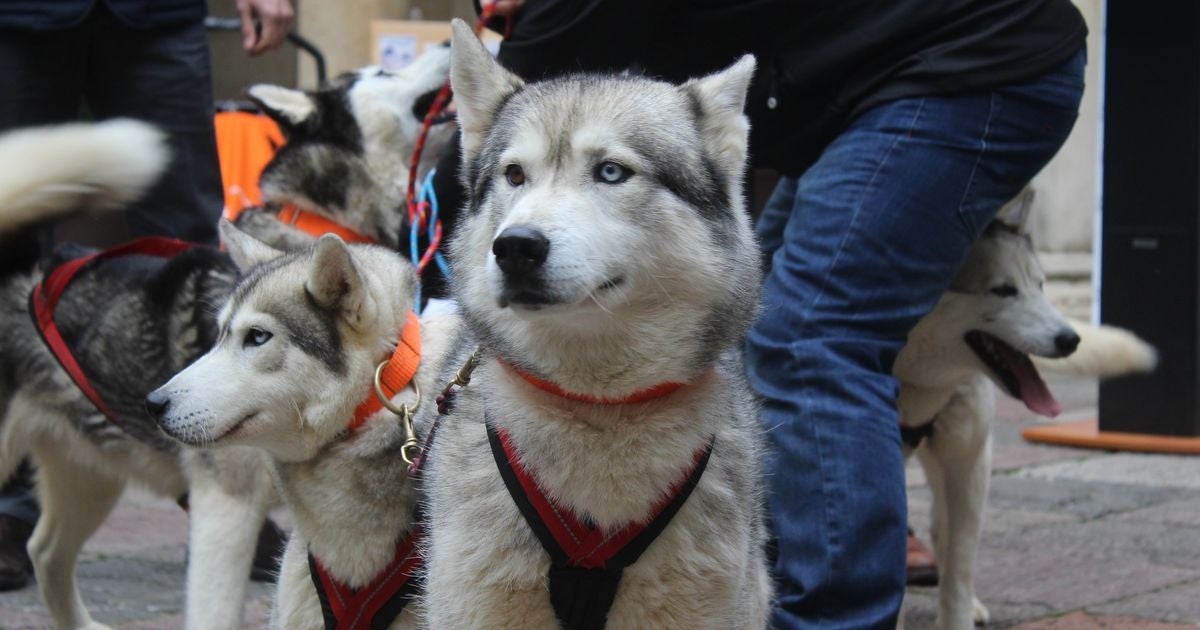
pixel 1004 290
pixel 256 337
pixel 515 175
pixel 612 173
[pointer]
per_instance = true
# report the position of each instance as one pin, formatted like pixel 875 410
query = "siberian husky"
pixel 605 270
pixel 994 326
pixel 301 336
pixel 133 322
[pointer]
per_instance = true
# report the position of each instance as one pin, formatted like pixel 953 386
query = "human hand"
pixel 275 20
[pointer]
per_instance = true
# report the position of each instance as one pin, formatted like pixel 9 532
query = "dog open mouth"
pixel 1016 371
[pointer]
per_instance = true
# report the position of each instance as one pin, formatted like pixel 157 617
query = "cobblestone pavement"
pixel 1074 539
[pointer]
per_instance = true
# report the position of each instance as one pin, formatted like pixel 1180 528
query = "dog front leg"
pixel 222 532
pixel 75 501
pixel 958 463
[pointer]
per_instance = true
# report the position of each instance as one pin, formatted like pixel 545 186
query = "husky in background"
pixel 605 256
pixel 301 336
pixel 133 322
pixel 994 328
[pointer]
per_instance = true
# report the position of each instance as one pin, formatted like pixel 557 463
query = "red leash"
pixel 418 213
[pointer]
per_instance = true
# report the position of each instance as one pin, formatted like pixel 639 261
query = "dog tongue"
pixel 1034 393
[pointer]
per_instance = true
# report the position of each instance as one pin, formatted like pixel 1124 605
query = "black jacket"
pixel 53 15
pixel 820 62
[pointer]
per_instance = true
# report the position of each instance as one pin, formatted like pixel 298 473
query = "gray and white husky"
pixel 604 251
pixel 301 336
pixel 994 328
pixel 133 322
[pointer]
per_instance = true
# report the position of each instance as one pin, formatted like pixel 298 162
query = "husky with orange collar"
pixel 132 322
pixel 301 338
pixel 602 468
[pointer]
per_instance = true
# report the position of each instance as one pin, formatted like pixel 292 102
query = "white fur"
pixel 349 496
pixel 633 280
pixel 942 380
pixel 57 171
pixel 50 171
pixel 1104 352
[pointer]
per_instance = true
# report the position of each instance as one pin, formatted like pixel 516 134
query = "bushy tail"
pixel 49 172
pixel 1103 352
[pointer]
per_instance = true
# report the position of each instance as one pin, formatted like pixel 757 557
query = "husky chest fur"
pixel 606 270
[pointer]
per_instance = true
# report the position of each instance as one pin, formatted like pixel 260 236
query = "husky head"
pixel 350 142
pixel 995 315
pixel 604 244
pixel 300 337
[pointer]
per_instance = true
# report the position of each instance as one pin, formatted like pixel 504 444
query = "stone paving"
pixel 1074 539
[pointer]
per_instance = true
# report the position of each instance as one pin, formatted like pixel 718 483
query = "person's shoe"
pixel 268 553
pixel 16 571
pixel 922 567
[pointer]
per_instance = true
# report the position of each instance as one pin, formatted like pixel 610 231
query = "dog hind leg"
pixel 75 500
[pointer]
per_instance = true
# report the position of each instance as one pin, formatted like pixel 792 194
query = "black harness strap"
pixel 586 564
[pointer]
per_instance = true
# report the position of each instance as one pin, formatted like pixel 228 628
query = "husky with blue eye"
pixel 133 321
pixel 603 467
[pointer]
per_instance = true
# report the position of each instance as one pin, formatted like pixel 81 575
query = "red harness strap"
pixel 376 605
pixel 586 562
pixel 49 291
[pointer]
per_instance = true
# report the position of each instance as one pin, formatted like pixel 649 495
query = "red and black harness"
pixel 377 604
pixel 586 562
pixel 45 297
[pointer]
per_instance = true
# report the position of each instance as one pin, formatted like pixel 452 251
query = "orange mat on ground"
pixel 1087 434
pixel 245 143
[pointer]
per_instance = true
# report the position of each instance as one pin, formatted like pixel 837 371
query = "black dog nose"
pixel 157 404
pixel 520 249
pixel 1066 342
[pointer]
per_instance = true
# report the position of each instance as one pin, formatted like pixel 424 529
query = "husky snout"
pixel 1065 342
pixel 520 250
pixel 157 404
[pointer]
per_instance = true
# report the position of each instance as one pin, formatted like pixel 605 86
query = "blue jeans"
pixel 858 249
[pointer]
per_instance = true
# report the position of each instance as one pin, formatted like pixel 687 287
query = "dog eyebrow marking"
pixel 313 330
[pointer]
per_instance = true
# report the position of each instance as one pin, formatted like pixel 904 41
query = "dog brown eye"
pixel 255 337
pixel 612 173
pixel 515 175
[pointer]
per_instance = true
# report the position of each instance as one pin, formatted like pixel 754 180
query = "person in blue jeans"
pixel 900 127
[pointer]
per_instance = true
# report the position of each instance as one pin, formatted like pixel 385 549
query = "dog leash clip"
pixel 411 449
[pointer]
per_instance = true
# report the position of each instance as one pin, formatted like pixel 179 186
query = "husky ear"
pixel 1015 213
pixel 479 83
pixel 247 252
pixel 721 98
pixel 288 107
pixel 333 281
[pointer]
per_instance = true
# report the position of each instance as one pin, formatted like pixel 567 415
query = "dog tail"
pixel 48 172
pixel 51 172
pixel 1103 352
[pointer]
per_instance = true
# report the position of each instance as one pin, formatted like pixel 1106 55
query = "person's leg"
pixel 43 76
pixel 876 230
pixel 163 76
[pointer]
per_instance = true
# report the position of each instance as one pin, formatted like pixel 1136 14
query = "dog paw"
pixel 980 612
